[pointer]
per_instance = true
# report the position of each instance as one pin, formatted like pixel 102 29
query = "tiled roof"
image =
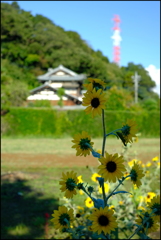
pixel 70 75
pixel 46 85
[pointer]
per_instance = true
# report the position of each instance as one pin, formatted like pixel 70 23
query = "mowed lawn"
pixel 63 146
pixel 31 171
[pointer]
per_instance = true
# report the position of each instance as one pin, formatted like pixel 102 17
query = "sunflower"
pixel 79 211
pixel 89 203
pixel 69 184
pixel 155 203
pixel 126 174
pixel 80 179
pixel 136 174
pixel 141 208
pixel 94 83
pixel 155 159
pixel 95 176
pixel 95 101
pixel 81 143
pixel 103 220
pixel 112 207
pixel 149 196
pixel 107 188
pixel 99 151
pixel 111 167
pixel 135 187
pixel 81 192
pixel 150 224
pixel 140 199
pixel 131 163
pixel 148 164
pixel 61 217
pixel 147 173
pixel 128 131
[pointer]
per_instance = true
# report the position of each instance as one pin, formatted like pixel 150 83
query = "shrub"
pixel 40 103
pixel 35 121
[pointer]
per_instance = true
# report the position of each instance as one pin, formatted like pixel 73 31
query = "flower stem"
pixel 117 187
pixel 113 132
pixel 104 133
pixel 83 188
pixel 104 196
pixel 137 230
pixel 113 191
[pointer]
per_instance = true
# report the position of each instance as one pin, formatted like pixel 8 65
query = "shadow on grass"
pixel 23 210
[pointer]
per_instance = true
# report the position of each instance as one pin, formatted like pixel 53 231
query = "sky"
pixel 92 20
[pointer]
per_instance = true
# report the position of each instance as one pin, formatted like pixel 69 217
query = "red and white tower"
pixel 116 39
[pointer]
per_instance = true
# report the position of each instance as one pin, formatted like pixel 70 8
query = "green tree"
pixel 146 84
pixel 32 59
pixel 13 94
pixel 118 99
pixel 150 104
pixel 60 93
pixel 15 5
pixel 32 44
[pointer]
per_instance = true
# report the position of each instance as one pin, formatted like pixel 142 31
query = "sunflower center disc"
pixel 111 166
pixel 126 130
pixel 97 86
pixel 83 142
pixel 95 102
pixel 157 206
pixel 69 184
pixel 103 220
pixel 150 221
pixel 134 175
pixel 62 217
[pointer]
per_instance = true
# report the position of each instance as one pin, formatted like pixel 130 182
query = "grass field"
pixel 63 146
pixel 31 170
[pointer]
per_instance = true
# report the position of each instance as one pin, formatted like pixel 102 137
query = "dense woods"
pixel 32 44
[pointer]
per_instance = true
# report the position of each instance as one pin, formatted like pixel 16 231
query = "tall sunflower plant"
pixel 102 221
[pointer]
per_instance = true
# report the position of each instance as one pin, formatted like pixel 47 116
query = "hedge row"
pixel 48 122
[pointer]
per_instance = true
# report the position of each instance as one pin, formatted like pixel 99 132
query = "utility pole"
pixel 136 79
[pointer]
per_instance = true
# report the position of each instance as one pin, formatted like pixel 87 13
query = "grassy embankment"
pixel 31 185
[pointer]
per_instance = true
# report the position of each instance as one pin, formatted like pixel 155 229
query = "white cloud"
pixel 155 75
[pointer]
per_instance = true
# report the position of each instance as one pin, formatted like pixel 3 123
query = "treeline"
pixel 32 44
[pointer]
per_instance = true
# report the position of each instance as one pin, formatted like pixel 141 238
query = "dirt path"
pixel 49 160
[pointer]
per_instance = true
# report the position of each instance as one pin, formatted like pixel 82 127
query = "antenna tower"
pixel 116 39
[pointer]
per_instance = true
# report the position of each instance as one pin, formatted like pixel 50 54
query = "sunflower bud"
pixel 90 189
pixel 80 186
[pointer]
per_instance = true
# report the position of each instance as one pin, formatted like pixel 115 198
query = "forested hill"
pixel 32 44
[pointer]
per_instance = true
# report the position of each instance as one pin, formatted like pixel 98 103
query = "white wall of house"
pixel 60 73
pixel 56 85
pixel 71 92
pixel 39 96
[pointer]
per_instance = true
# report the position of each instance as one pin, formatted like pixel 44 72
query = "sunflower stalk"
pixel 142 225
pixel 67 222
pixel 104 132
pixel 120 182
pixel 136 231
pixel 101 221
pixel 104 195
pixel 112 133
pixel 89 195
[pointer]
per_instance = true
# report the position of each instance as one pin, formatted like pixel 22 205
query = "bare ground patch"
pixel 26 160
